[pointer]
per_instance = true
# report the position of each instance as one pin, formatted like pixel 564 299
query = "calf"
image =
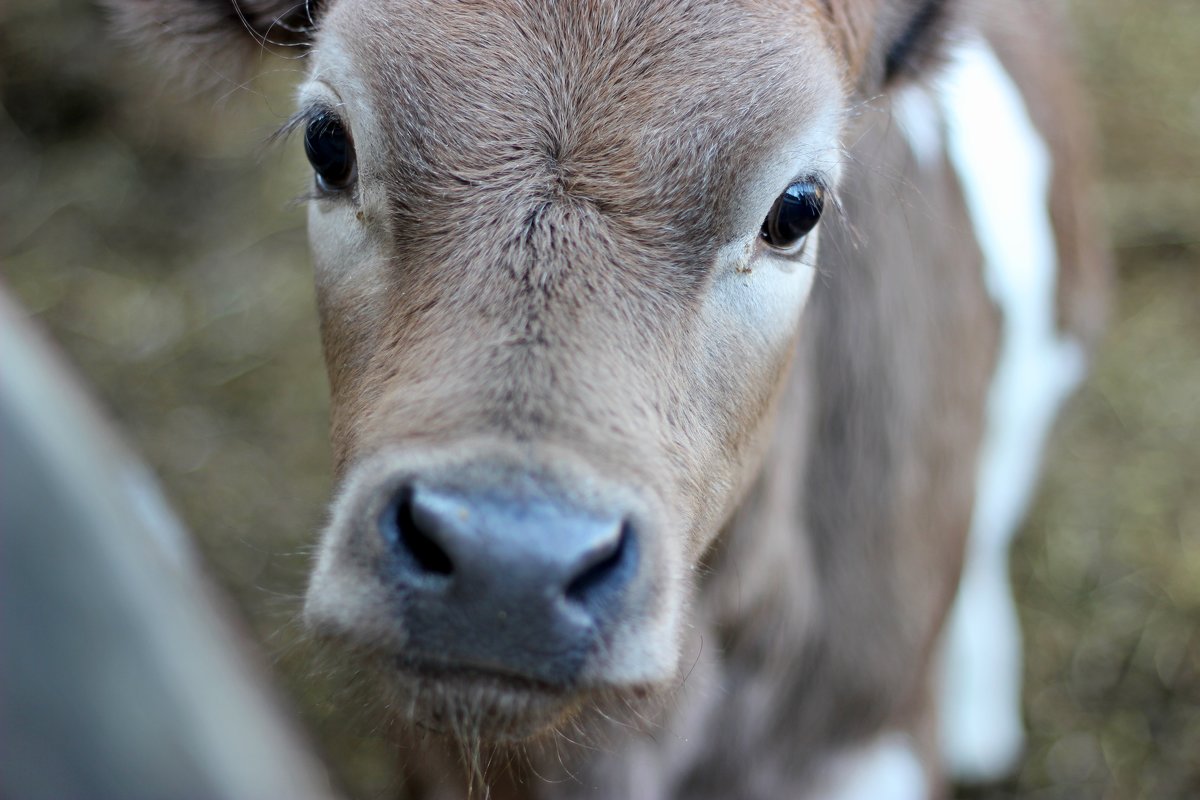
pixel 611 511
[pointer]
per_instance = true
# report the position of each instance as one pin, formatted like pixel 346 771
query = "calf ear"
pixel 889 41
pixel 212 42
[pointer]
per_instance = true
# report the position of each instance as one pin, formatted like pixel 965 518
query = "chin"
pixel 471 704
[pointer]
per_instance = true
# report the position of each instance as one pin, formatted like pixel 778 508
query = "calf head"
pixel 554 326
pixel 561 254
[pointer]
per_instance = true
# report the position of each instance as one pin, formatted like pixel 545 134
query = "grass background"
pixel 154 236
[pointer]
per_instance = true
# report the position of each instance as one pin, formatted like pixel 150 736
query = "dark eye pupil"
pixel 328 148
pixel 794 215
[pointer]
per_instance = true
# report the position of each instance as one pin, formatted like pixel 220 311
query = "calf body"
pixel 649 485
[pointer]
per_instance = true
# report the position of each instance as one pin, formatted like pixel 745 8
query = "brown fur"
pixel 885 42
pixel 212 44
pixel 544 190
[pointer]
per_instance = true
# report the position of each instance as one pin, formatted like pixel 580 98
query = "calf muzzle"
pixel 504 581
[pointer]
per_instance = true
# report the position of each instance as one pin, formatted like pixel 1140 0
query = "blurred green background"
pixel 155 236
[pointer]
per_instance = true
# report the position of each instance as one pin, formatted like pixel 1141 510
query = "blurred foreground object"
pixel 121 675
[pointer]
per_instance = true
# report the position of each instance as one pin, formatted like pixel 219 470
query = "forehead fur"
pixel 653 112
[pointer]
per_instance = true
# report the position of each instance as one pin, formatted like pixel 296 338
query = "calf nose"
pixel 505 583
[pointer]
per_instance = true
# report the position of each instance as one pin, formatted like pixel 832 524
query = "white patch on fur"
pixel 762 290
pixel 757 296
pixel 1005 170
pixel 885 769
pixel 915 111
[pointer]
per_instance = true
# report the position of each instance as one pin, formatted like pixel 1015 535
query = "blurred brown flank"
pixel 155 237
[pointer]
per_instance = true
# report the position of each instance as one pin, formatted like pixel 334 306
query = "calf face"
pixel 561 254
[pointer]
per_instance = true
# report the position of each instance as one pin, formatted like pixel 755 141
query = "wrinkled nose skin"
pixel 518 587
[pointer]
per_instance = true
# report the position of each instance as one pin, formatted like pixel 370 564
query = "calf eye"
pixel 795 213
pixel 330 151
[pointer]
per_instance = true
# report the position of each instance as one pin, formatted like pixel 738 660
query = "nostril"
pixel 605 567
pixel 415 538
